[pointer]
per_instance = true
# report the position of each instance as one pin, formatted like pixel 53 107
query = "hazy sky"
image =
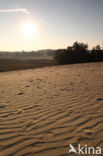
pixel 58 23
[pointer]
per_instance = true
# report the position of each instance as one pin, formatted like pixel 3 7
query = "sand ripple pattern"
pixel 42 111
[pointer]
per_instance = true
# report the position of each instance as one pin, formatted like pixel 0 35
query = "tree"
pixel 98 47
pixel 78 53
pixel 80 47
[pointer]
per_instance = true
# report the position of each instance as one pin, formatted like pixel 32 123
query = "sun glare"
pixel 29 29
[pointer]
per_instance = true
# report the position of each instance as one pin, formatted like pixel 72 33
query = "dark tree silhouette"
pixel 78 53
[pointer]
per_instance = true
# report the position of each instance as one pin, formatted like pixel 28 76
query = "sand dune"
pixel 42 111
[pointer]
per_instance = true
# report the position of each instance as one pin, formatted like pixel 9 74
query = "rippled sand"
pixel 44 110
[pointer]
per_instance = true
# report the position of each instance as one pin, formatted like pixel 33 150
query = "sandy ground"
pixel 44 110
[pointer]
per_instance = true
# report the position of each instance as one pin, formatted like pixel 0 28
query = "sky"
pixel 56 23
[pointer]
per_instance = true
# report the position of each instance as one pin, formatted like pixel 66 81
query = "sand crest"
pixel 44 110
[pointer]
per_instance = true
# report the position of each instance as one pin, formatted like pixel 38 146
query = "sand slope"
pixel 44 110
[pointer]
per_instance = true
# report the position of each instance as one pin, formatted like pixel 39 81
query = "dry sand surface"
pixel 44 110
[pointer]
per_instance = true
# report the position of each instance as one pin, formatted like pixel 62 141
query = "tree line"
pixel 78 53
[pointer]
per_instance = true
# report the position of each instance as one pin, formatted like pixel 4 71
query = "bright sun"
pixel 29 29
